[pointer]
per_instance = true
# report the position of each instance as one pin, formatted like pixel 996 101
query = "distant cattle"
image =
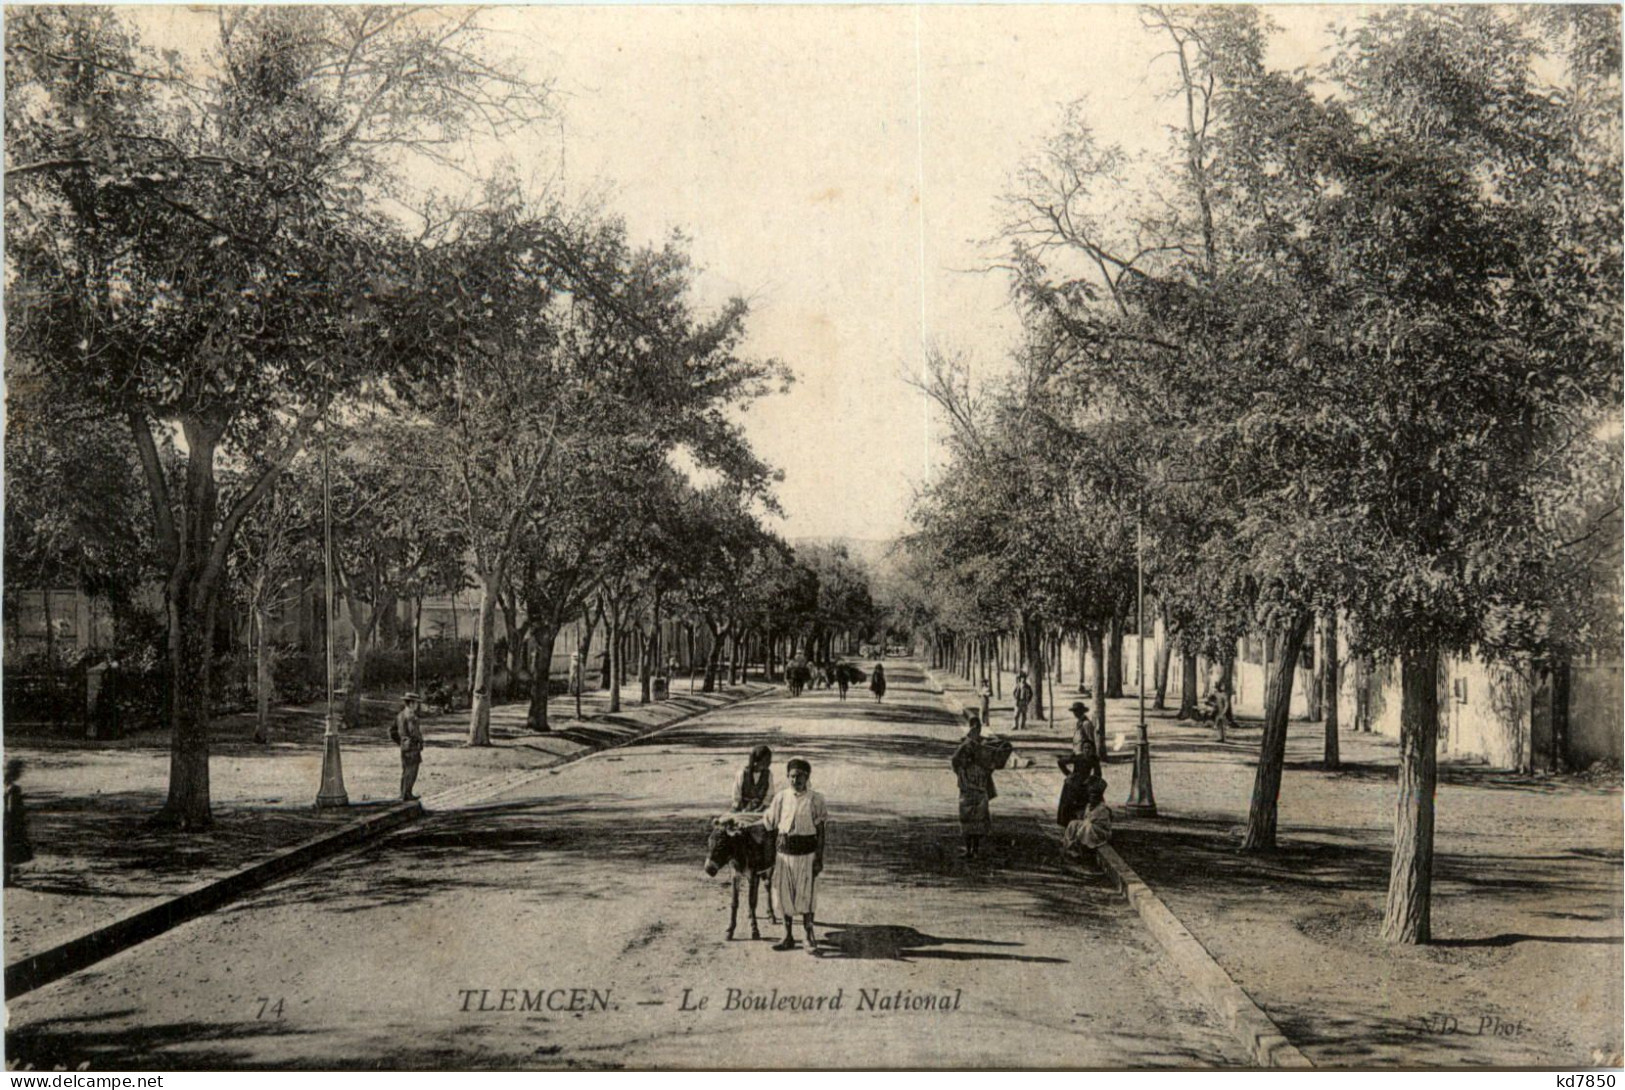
pixel 797 674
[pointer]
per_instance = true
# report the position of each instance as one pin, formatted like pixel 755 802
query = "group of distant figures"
pixel 801 675
pixel 1082 813
pixel 777 838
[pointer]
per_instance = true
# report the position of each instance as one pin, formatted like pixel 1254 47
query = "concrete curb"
pixel 471 793
pixel 1262 1037
pixel 138 926
pixel 145 923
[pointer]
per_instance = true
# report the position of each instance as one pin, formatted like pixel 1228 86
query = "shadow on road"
pixel 893 943
pixel 74 1044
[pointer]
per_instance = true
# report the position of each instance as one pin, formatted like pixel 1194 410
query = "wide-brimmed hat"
pixel 411 698
pixel 1079 708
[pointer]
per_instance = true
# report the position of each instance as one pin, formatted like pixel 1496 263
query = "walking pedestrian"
pixel 843 677
pixel 1024 696
pixel 406 732
pixel 973 764
pixel 877 682
pixel 985 693
pixel 799 815
pixel 14 836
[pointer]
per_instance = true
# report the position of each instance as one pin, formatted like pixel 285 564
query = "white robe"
pixel 794 890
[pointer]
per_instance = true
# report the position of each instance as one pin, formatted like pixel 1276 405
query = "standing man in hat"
pixel 1083 739
pixel 1024 697
pixel 798 815
pixel 409 735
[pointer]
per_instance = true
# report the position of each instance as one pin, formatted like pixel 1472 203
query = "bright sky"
pixel 840 167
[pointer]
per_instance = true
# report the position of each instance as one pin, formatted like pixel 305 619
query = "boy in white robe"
pixel 797 815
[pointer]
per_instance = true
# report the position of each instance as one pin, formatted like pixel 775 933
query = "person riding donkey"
pixel 742 839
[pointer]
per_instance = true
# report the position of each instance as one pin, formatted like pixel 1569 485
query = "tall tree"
pixel 191 248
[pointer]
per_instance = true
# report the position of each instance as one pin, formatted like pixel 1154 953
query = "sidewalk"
pixel 1525 968
pixel 88 802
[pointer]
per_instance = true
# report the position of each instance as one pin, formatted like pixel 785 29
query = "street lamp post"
pixel 1141 799
pixel 332 791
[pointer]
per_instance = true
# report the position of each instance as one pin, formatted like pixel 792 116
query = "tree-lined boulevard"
pixel 465 941
pixel 592 879
pixel 1313 384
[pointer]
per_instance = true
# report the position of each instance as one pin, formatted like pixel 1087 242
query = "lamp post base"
pixel 332 792
pixel 1141 799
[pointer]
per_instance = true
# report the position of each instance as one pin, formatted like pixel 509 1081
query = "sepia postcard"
pixel 795 537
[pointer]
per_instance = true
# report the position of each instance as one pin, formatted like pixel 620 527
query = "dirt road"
pixel 569 924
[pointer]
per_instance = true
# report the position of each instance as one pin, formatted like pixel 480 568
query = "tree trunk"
pixel 194 548
pixel 365 642
pixel 51 687
pixel 713 660
pixel 1114 659
pixel 262 675
pixel 1329 686
pixel 1227 680
pixel 1187 684
pixel 541 676
pixel 479 712
pixel 516 646
pixel 1261 815
pixel 1407 917
pixel 191 626
pixel 646 650
pixel 617 663
pixel 1097 652
pixel 1363 669
pixel 1038 672
pixel 1560 682
pixel 1165 654
pixel 1311 688
pixel 417 636
pixel 1051 649
pixel 351 714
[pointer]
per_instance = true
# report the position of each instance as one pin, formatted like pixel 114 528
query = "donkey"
pixel 749 848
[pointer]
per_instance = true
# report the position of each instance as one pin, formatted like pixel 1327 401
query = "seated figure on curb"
pixel 1087 834
pixel 1080 776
